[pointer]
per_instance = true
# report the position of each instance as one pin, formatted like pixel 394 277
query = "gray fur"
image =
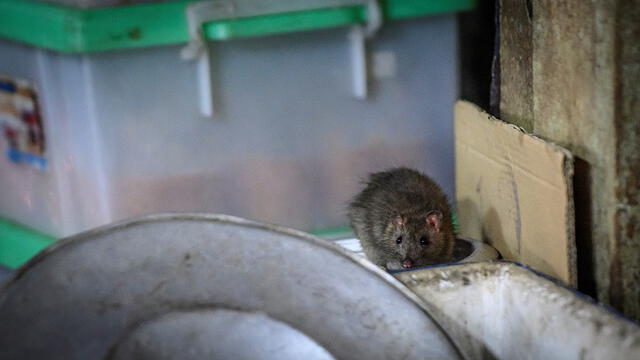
pixel 395 203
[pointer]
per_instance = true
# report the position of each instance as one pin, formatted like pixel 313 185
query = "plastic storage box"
pixel 289 135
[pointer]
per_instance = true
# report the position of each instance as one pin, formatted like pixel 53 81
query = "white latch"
pixel 199 13
pixel 358 36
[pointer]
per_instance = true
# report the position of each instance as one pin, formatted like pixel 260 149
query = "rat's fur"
pixel 403 203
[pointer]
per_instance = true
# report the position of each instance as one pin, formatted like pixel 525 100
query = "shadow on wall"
pixel 584 240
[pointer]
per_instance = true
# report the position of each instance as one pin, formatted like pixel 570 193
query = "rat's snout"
pixel 407 263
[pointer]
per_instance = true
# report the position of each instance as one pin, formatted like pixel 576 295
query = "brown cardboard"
pixel 515 191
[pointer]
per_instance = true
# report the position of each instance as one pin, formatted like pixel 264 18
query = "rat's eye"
pixel 398 239
pixel 424 240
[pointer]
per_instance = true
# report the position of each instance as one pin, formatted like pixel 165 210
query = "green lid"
pixel 19 243
pixel 88 30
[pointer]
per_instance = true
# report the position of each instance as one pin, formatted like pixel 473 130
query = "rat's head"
pixel 420 240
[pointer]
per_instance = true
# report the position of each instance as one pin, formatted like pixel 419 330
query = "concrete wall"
pixel 569 73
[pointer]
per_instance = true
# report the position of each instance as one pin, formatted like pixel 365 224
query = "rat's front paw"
pixel 394 265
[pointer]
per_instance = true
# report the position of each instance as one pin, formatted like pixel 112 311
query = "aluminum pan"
pixel 76 298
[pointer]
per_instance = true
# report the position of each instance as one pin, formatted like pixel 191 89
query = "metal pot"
pixel 191 286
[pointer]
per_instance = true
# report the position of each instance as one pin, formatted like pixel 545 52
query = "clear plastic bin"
pixel 288 142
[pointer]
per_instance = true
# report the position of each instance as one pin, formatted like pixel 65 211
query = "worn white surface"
pixel 504 311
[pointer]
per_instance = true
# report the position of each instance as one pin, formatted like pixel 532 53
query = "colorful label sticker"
pixel 21 123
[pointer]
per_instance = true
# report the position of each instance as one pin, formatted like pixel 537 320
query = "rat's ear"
pixel 434 220
pixel 399 220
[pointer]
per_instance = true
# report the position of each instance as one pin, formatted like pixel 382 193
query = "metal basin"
pixel 238 335
pixel 140 288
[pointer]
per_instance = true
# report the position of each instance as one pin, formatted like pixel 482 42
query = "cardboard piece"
pixel 515 192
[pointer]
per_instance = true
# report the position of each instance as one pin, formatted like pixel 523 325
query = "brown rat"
pixel 403 220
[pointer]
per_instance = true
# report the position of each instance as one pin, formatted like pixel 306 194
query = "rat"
pixel 403 220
